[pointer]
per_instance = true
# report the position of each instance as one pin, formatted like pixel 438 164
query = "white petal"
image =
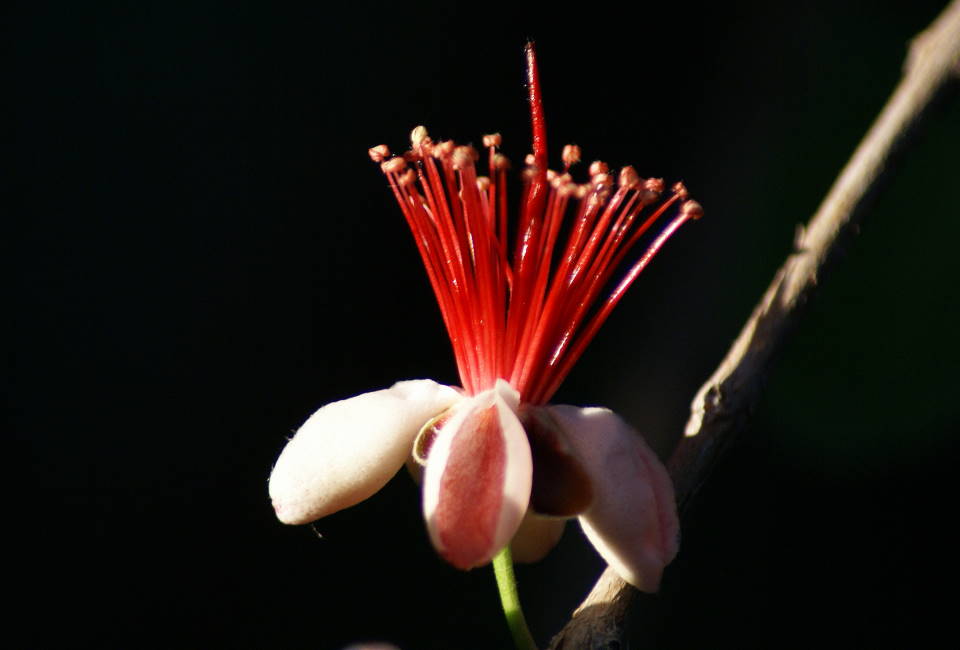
pixel 476 486
pixel 536 537
pixel 633 519
pixel 349 449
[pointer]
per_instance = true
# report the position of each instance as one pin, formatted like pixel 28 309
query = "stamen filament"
pixel 524 312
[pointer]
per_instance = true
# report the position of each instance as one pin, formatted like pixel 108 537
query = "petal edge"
pixel 347 450
pixel 633 521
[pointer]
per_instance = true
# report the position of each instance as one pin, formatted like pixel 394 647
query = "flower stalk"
pixel 510 599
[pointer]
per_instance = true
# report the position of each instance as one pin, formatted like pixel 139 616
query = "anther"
pixel 654 185
pixel 500 162
pixel 629 179
pixel 483 183
pixel 570 155
pixel 379 153
pixel 464 156
pixel 443 149
pixel 492 140
pixel 598 167
pixel 600 179
pixel 408 178
pixel 393 166
pixel 419 137
pixel 680 189
pixel 691 210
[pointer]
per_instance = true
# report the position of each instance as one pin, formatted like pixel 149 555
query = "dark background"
pixel 203 254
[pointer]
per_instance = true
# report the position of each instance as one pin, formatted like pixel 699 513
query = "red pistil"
pixel 526 319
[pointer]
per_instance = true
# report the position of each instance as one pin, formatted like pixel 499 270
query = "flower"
pixel 499 464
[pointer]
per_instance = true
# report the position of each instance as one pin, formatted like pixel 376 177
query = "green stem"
pixel 507 584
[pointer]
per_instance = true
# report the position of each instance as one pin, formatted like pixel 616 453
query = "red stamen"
pixel 537 123
pixel 529 319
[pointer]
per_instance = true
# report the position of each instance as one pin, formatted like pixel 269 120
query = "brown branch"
pixel 725 401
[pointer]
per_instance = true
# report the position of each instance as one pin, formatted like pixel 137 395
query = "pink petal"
pixel 633 519
pixel 349 449
pixel 476 485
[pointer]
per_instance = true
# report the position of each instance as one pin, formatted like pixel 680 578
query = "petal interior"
pixel 561 484
pixel 477 479
pixel 471 492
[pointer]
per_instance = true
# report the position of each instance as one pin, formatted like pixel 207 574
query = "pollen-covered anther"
pixel 500 162
pixel 419 137
pixel 379 153
pixel 552 176
pixel 570 155
pixel 680 190
pixel 601 180
pixel 654 185
pixel 443 149
pixel 691 210
pixel 483 183
pixel 598 167
pixel 407 178
pixel 393 166
pixel 558 180
pixel 629 179
pixel 464 157
pixel 492 140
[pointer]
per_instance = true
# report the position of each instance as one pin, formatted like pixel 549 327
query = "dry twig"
pixel 724 402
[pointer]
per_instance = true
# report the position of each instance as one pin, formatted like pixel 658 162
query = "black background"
pixel 203 254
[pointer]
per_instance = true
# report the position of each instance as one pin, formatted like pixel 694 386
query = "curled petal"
pixel 536 537
pixel 633 519
pixel 476 486
pixel 348 450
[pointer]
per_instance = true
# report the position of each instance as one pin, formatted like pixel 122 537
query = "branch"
pixel 725 401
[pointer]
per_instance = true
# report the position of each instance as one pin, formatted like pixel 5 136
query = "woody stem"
pixel 507 584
